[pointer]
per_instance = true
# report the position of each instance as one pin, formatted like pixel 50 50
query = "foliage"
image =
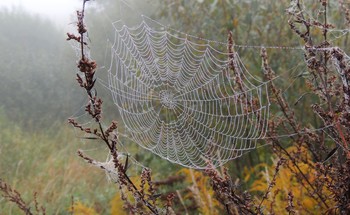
pixel 195 195
pixel 201 191
pixel 117 206
pixel 79 208
pixel 289 184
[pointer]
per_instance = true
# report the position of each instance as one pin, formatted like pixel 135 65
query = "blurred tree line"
pixel 36 84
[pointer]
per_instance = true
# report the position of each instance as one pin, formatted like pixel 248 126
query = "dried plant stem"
pixel 269 74
pixel 14 196
pixel 271 185
pixel 94 109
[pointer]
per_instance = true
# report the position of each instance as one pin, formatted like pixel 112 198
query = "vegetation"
pixel 307 171
pixel 34 80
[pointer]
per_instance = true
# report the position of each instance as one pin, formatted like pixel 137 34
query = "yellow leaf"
pixel 117 206
pixel 235 22
pixel 81 209
pixel 287 181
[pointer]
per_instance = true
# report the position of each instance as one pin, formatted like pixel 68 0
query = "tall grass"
pixel 45 162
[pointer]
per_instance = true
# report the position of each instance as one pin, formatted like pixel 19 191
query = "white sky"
pixel 57 10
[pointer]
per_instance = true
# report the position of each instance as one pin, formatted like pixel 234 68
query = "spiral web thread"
pixel 178 97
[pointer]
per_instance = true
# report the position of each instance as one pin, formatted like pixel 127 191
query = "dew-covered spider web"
pixel 188 100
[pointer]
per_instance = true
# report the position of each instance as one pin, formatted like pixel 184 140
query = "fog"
pixel 58 11
pixel 38 65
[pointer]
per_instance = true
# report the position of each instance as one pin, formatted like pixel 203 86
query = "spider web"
pixel 186 99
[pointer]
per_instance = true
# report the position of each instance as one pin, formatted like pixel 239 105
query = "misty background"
pixel 38 90
pixel 37 64
pixel 36 86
